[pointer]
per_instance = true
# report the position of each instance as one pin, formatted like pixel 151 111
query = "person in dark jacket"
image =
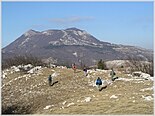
pixel 50 80
pixel 98 82
pixel 85 71
pixel 112 74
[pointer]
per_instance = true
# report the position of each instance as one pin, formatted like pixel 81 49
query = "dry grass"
pixel 74 88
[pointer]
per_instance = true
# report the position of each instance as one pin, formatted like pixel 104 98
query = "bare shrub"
pixel 21 107
pixel 21 60
pixel 137 64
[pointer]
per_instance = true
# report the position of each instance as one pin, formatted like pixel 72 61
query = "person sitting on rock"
pixel 98 82
pixel 50 80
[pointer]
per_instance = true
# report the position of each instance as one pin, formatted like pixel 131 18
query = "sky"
pixel 127 23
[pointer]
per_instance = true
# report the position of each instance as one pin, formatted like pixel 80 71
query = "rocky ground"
pixel 73 93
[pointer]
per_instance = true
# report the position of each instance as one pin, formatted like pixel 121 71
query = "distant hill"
pixel 71 45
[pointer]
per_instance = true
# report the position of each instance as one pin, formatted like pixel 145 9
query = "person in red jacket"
pixel 74 67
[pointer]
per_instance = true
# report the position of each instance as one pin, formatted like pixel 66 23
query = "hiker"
pixel 74 67
pixel 98 82
pixel 85 71
pixel 50 80
pixel 112 74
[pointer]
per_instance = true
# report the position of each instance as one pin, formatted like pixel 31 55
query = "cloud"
pixel 68 20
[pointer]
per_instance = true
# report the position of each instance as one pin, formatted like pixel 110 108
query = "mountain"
pixel 71 45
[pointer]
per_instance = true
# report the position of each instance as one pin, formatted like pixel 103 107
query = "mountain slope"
pixel 74 93
pixel 71 45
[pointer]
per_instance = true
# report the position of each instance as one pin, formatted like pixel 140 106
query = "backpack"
pixel 85 69
pixel 98 82
pixel 49 78
pixel 112 73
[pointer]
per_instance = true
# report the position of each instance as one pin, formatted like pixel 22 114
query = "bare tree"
pixel 19 60
pixel 137 64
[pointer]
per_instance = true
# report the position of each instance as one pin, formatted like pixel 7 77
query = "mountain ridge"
pixel 62 44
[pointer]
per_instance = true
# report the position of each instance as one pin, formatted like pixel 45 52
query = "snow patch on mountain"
pixel 70 104
pixel 35 69
pixel 87 99
pixel 141 75
pixel 49 32
pixel 30 33
pixel 75 54
pixel 55 74
pixel 76 33
pixel 64 102
pixel 80 33
pixel 26 40
pixel 46 33
pixel 147 89
pixel 147 98
pixel 15 69
pixel 74 37
pixel 113 96
pixel 48 107
pixel 65 33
